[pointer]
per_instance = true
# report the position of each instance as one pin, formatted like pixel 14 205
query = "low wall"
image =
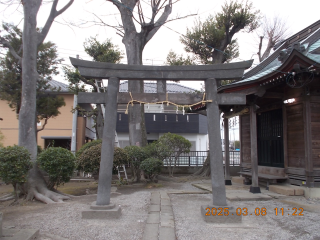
pixel 190 170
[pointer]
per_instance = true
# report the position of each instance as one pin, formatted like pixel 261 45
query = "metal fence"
pixel 197 158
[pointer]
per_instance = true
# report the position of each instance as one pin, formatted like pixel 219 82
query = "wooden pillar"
pixel 254 150
pixel 226 152
pixel 285 136
pixel 107 148
pixel 215 148
pixel 308 142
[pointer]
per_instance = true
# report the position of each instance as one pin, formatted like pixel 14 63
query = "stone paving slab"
pixel 160 221
pixel 167 233
pixel 151 232
pixel 236 195
pixel 154 208
pixel 153 217
pixel 19 234
pixel 247 196
pixel 167 220
pixel 155 198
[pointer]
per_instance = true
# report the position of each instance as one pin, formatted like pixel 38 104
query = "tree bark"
pixel 99 122
pixel 27 123
pixel 36 186
pixel 134 43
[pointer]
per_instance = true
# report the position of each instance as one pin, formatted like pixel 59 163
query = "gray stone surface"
pixel 155 198
pixel 102 214
pixel 167 220
pixel 229 216
pixel 154 208
pixel 136 72
pixel 247 196
pixel 215 150
pixel 107 148
pixel 167 233
pixel 94 206
pixel 153 217
pixel 151 232
pixel 19 234
pixel 166 209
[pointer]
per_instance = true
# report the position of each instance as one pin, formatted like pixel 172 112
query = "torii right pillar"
pixel 219 201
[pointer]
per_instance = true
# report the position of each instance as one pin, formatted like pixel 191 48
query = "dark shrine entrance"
pixel 270 138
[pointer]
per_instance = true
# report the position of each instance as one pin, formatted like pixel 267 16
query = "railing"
pixel 197 158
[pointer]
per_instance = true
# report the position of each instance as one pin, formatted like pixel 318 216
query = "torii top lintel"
pixel 101 70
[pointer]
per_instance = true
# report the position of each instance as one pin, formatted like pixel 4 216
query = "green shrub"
pixel 39 149
pixel 136 156
pixel 151 167
pixel 15 163
pixel 120 157
pixel 59 163
pixel 89 160
pixel 87 146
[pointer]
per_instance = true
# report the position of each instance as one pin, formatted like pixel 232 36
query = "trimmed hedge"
pixel 15 163
pixel 89 160
pixel 59 163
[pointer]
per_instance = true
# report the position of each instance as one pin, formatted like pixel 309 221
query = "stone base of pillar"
pixel 220 214
pixel 255 189
pixel 227 182
pixel 102 211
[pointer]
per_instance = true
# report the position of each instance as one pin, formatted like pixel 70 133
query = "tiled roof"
pixel 151 87
pixel 63 87
pixel 271 64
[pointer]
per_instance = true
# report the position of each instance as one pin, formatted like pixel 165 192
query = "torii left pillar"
pixel 102 208
pixel 219 211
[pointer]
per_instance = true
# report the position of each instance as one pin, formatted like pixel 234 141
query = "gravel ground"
pixel 64 219
pixel 57 221
pixel 190 225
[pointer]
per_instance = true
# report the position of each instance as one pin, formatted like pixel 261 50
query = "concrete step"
pixel 287 190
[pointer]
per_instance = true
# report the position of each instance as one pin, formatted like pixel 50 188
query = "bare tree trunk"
pixel 99 122
pixel 36 186
pixel 27 123
pixel 137 129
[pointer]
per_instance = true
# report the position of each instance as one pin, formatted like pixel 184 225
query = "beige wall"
pixel 9 125
pixel 58 126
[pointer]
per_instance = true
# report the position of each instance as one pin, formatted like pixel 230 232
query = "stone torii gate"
pixel 208 73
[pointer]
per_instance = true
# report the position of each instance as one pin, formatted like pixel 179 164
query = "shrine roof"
pixel 151 87
pixel 55 84
pixel 309 40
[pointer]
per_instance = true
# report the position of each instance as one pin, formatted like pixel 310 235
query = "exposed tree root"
pixel 37 189
pixel 7 197
pixel 205 171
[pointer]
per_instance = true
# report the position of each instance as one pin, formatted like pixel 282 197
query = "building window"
pixel 119 117
pixel 176 118
pixel 165 118
pixel 154 117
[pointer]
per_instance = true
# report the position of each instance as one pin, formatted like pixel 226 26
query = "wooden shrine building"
pixel 280 124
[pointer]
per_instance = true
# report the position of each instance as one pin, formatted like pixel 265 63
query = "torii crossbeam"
pixel 207 73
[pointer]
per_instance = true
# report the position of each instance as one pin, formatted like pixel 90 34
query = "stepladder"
pixel 123 171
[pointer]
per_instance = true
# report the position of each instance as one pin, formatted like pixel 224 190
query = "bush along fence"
pixel 197 158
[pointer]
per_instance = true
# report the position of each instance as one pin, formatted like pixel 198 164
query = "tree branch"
pixel 260 46
pixel 53 14
pixel 126 9
pixel 162 20
pixel 6 44
pixel 43 126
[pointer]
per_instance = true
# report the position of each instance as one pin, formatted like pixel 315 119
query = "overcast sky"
pixel 69 39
